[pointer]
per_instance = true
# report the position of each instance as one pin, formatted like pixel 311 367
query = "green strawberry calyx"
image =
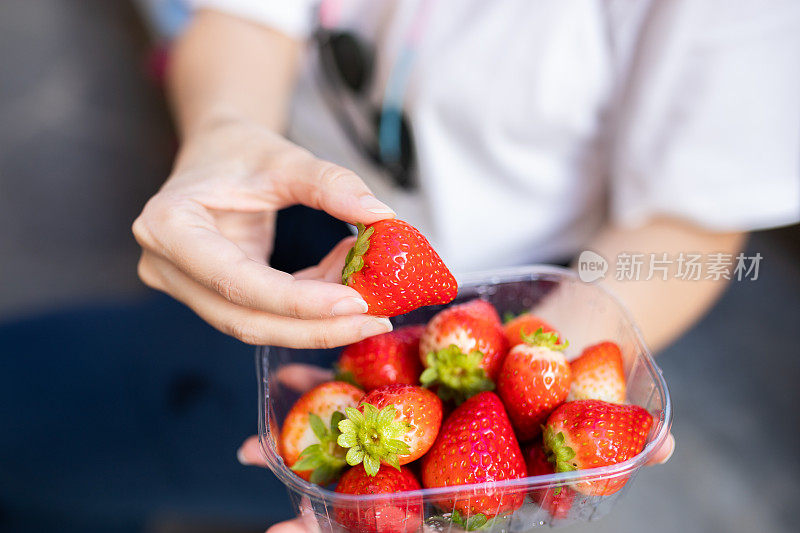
pixel 326 458
pixel 355 257
pixel 547 339
pixel 456 375
pixel 508 316
pixel 558 453
pixel 345 376
pixel 476 522
pixel 373 437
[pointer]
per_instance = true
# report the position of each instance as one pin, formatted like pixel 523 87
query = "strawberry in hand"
pixel 592 433
pixel 395 270
pixel 598 374
pixel 462 349
pixel 393 425
pixel 311 429
pixel 534 380
pixel 383 359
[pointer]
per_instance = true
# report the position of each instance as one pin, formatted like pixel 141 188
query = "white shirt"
pixel 534 121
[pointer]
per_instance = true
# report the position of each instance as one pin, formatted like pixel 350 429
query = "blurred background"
pixel 100 432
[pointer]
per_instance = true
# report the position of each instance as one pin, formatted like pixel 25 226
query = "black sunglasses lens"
pixel 399 167
pixel 352 58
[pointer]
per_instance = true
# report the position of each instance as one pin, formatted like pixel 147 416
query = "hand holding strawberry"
pixel 395 270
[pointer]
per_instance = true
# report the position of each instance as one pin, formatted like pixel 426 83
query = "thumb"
pixel 249 454
pixel 335 190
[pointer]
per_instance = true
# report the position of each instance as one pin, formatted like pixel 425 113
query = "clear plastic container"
pixel 584 313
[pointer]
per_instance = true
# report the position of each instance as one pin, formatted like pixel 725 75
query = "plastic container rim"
pixel 506 275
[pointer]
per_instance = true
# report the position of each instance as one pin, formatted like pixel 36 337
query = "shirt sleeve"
pixel 709 125
pixel 293 17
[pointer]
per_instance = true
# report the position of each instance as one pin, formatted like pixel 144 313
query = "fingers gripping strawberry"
pixel 395 269
pixel 393 425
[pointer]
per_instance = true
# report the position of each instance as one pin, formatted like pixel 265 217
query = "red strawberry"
pixel 394 424
pixel 598 374
pixel 309 433
pixel 527 324
pixel 395 270
pixel 476 445
pixel 556 501
pixel 534 380
pixel 462 349
pixel 394 514
pixel 384 359
pixel 591 433
pixel 483 308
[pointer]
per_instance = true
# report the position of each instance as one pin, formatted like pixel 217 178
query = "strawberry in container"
pixel 392 425
pixel 592 433
pixel 403 467
pixel 311 428
pixel 385 359
pixel 476 445
pixel 557 501
pixel 462 349
pixel 535 379
pixel 598 374
pixel 392 513
pixel 525 324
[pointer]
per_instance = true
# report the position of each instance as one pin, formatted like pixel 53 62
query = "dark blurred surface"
pixel 121 411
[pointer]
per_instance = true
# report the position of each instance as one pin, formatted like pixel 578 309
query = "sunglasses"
pixel 381 134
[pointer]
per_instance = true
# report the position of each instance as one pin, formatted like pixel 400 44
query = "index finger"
pixel 184 233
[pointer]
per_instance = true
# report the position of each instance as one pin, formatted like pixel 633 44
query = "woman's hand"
pixel 206 237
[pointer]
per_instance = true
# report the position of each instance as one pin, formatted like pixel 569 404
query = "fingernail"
pixel 671 450
pixel 373 205
pixel 349 306
pixel 376 326
pixel 241 458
